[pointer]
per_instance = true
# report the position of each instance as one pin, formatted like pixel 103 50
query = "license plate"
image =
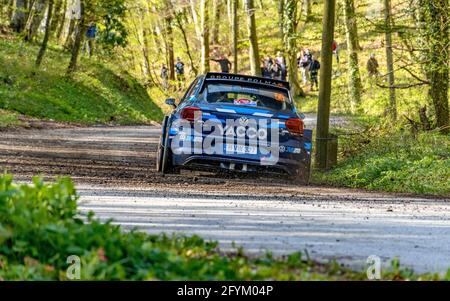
pixel 241 149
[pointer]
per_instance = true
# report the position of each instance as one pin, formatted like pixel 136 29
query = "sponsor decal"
pixel 239 136
pixel 256 80
pixel 290 149
pixel 262 115
pixel 226 111
pixel 244 136
pixel 245 102
pixel 243 120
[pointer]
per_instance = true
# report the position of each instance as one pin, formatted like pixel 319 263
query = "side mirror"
pixel 171 102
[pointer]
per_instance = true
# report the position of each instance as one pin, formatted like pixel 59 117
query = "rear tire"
pixel 160 151
pixel 159 158
pixel 166 156
pixel 166 163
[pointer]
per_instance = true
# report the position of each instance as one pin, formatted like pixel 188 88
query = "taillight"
pixel 295 126
pixel 188 113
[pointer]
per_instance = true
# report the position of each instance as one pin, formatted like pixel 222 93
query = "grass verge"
pixel 98 93
pixel 395 161
pixel 8 119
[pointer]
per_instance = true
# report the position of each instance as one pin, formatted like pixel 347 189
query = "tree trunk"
pixel 47 34
pixel 169 40
pixel 290 44
pixel 62 22
pixel 204 15
pixel 68 44
pixel 10 9
pixel 252 36
pixel 56 14
pixel 82 27
pixel 235 33
pixel 281 4
pixel 323 111
pixel 34 20
pixel 435 14
pixel 195 19
pixel 230 11
pixel 354 78
pixel 307 9
pixel 145 52
pixel 186 44
pixel 18 21
pixel 390 60
pixel 217 9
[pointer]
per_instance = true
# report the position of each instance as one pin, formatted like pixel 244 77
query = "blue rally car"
pixel 237 123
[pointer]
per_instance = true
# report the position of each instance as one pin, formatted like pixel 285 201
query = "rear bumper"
pixel 284 166
pixel 293 158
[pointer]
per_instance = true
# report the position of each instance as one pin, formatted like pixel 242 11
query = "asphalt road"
pixel 114 170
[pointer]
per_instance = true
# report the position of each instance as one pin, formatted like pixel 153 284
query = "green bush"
pixel 40 228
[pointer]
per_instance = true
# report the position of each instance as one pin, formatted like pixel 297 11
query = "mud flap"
pixel 303 175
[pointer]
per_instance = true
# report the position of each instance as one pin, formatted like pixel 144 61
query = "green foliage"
pixel 394 162
pixel 40 227
pixel 110 13
pixel 99 93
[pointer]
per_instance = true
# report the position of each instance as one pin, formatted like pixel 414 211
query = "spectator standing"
pixel 282 65
pixel 275 71
pixel 267 67
pixel 335 48
pixel 224 63
pixel 165 76
pixel 372 69
pixel 372 66
pixel 179 70
pixel 314 72
pixel 304 63
pixel 91 34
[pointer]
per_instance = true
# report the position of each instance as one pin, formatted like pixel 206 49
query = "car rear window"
pixel 243 95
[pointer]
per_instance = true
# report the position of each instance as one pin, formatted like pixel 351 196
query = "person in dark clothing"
pixel 314 68
pixel 276 71
pixel 284 71
pixel 372 66
pixel 225 64
pixel 179 70
pixel 372 69
pixel 267 67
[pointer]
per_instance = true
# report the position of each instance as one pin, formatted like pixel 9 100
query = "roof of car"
pixel 247 79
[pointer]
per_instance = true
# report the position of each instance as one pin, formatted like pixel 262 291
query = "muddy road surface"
pixel 114 171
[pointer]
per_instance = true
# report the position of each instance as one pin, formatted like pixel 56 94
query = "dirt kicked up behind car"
pixel 236 123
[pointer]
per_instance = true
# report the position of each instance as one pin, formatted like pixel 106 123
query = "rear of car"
pixel 237 123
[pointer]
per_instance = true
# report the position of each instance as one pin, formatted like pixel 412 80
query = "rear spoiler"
pixel 247 79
